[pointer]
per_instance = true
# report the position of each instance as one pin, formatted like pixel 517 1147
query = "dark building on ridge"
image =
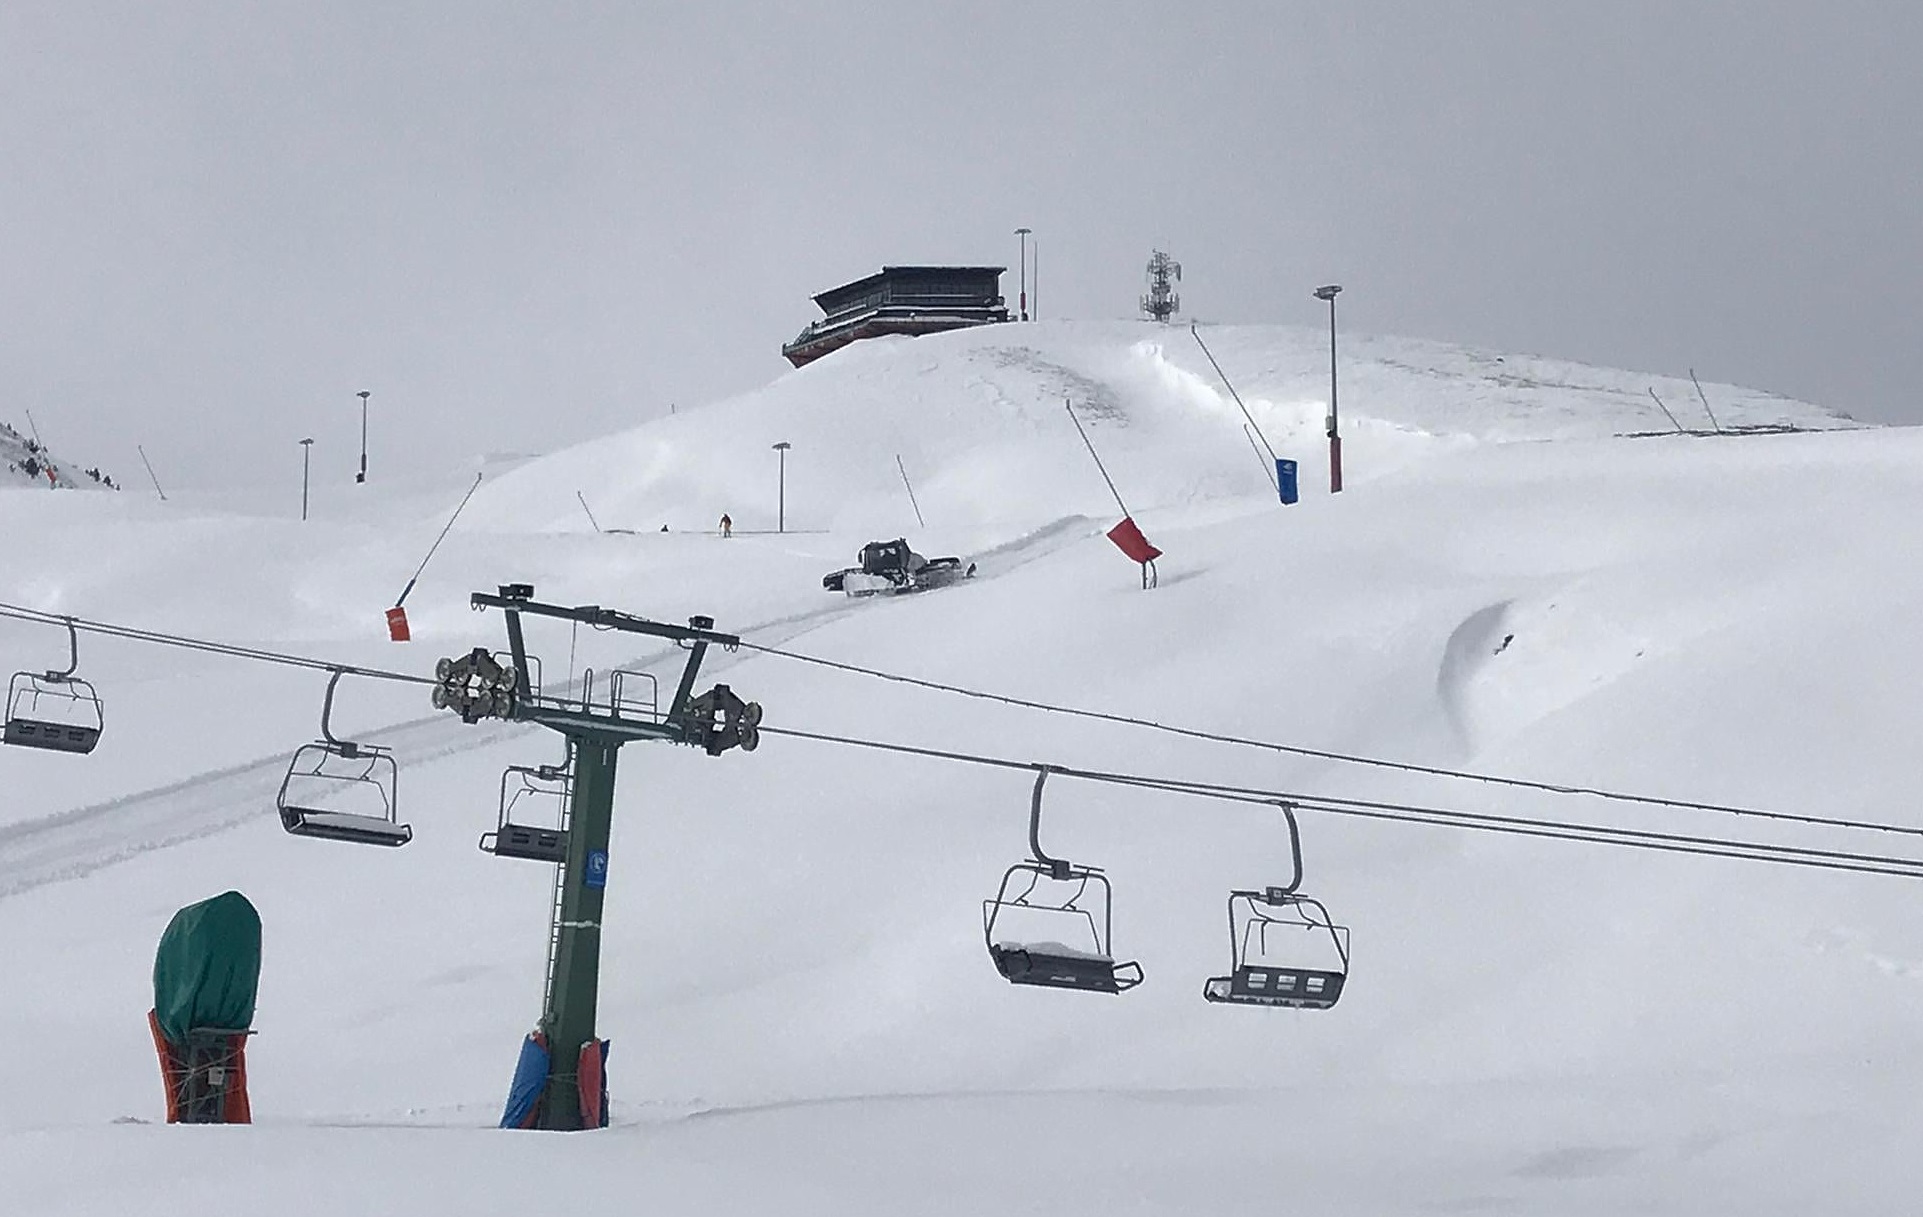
pixel 901 300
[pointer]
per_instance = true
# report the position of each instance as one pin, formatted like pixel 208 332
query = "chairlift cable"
pixel 1346 758
pixel 1578 831
pixel 132 633
pixel 1415 813
pixel 1589 832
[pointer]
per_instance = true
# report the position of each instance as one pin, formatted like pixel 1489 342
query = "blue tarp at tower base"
pixel 530 1079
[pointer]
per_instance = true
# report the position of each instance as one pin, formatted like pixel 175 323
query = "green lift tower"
pixel 480 685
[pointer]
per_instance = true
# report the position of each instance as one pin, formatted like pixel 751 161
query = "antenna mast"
pixel 1162 301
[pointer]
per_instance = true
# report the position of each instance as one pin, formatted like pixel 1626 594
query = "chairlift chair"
pixel 57 711
pixel 523 789
pixel 1306 968
pixel 1039 891
pixel 339 790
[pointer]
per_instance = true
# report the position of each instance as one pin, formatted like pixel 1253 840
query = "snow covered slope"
pixel 803 1013
pixel 23 462
pixel 977 418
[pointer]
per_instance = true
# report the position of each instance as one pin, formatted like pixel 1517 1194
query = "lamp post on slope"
pixel 362 475
pixel 306 451
pixel 781 491
pixel 1023 234
pixel 1328 292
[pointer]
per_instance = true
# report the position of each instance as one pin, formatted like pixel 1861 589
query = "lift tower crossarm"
pixel 607 619
pixel 517 598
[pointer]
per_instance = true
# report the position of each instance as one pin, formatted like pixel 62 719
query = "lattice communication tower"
pixel 1162 301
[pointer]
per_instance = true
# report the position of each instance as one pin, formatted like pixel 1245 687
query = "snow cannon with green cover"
pixel 206 973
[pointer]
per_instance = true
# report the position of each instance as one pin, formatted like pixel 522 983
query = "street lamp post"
pixel 1328 293
pixel 781 493
pixel 362 475
pixel 306 451
pixel 1023 234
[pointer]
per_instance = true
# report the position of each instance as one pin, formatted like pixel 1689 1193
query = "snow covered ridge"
pixel 976 417
pixel 24 462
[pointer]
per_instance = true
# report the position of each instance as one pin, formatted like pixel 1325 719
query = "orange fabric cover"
pixel 234 1105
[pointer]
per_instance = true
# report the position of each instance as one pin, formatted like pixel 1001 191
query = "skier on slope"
pixel 727 525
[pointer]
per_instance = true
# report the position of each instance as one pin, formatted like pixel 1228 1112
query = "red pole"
pixel 1335 464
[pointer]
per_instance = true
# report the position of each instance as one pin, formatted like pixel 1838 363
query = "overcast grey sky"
pixel 523 225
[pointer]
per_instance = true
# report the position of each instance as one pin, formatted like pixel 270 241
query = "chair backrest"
pixel 53 699
pixel 1034 904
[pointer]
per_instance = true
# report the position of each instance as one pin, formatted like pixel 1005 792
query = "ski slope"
pixel 976 417
pixel 803 1014
pixel 23 462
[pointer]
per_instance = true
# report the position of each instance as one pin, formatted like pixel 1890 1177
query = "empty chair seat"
pixel 58 737
pixel 344 826
pixel 527 841
pixel 1029 966
pixel 1298 988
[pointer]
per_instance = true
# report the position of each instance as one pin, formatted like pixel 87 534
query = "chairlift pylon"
pixel 339 790
pixel 57 711
pixel 516 834
pixel 1039 892
pixel 1306 968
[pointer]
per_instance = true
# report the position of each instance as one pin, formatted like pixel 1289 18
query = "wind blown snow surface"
pixel 803 1012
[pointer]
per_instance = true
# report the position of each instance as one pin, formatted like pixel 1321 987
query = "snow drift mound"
pixel 976 418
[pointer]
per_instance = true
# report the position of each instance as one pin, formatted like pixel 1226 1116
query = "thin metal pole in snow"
pixel 1196 334
pixel 919 522
pixel 35 428
pixel 1665 410
pixel 1022 312
pixel 438 540
pixel 306 451
pixel 1268 469
pixel 1692 380
pixel 150 472
pixel 364 394
pixel 584 507
pixel 1098 459
pixel 781 486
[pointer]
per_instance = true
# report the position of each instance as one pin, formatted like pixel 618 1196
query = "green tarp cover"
pixel 208 967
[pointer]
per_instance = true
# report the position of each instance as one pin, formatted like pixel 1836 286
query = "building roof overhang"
pixel 857 286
